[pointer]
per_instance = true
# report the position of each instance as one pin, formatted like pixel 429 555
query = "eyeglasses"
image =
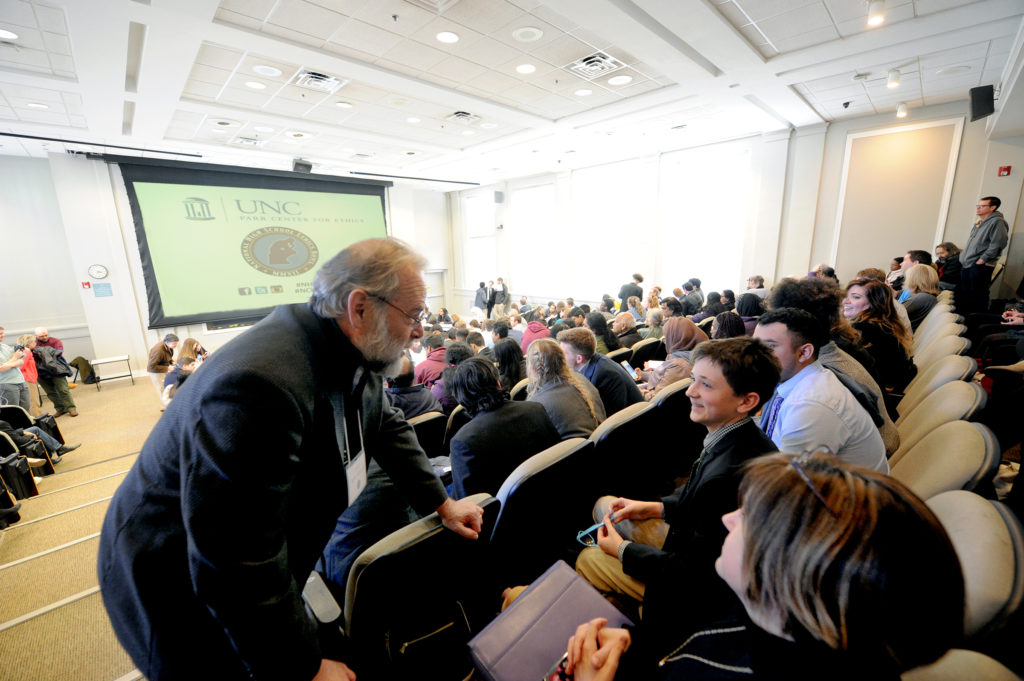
pixel 797 463
pixel 584 537
pixel 419 316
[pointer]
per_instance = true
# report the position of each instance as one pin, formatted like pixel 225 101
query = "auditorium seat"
pixel 415 598
pixel 942 371
pixel 566 475
pixel 988 540
pixel 637 461
pixel 956 455
pixel 954 401
pixel 939 348
pixel 643 351
pixel 430 429
pixel 518 392
pixel 940 331
pixel 456 420
pixel 620 355
pixel 959 664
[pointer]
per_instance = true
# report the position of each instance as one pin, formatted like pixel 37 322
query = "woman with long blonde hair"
pixel 571 401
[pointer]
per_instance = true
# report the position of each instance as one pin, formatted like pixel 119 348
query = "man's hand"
pixel 332 670
pixel 594 651
pixel 462 517
pixel 18 354
pixel 608 538
pixel 627 509
pixel 980 262
pixel 1014 321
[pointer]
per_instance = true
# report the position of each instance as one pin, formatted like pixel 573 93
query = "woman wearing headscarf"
pixel 681 336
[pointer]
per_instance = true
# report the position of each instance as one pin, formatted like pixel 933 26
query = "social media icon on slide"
pixel 245 291
pixel 260 290
pixel 277 289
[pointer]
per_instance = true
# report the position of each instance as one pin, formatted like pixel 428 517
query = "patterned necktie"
pixel 771 414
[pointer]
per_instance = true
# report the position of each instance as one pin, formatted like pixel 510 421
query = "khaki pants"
pixel 35 396
pixel 604 572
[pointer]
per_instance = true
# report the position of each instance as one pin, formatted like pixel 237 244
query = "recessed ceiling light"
pixel 447 37
pixel 344 105
pixel 876 12
pixel 620 80
pixel 410 153
pixel 38 105
pixel 256 85
pixel 298 134
pixel 526 68
pixel 412 119
pixel 7 35
pixel 528 34
pixel 952 70
pixel 488 126
pixel 263 128
pixel 584 92
pixel 269 71
pixel 225 123
pixel 467 133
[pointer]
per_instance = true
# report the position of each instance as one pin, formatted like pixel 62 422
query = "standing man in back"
pixel 500 298
pixel 985 244
pixel 631 289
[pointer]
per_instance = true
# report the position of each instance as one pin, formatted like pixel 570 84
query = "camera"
pixel 846 105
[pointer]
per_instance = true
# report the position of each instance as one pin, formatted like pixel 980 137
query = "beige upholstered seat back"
pixel 951 402
pixel 958 665
pixel 938 348
pixel 956 455
pixel 942 371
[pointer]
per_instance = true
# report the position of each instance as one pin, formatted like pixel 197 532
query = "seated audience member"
pixel 607 308
pixel 487 331
pixel 180 376
pixel 653 301
pixel 749 307
pixel 681 337
pixel 443 316
pixel 31 374
pixel 634 308
pixel 511 362
pixel 671 307
pixel 823 300
pixel 571 402
pixel 461 334
pixel 575 315
pixel 712 307
pixel 617 388
pixel 190 347
pixel 811 409
pixel 26 436
pixel 534 330
pixel 947 261
pixel 500 330
pixel 826 272
pixel 755 286
pixel 729 299
pixel 690 301
pixel 653 329
pixel 663 552
pixel 184 363
pixel 909 260
pixel 901 311
pixel 872 586
pixel 454 354
pixel 501 433
pixel 697 292
pixel 727 325
pixel 895 276
pixel 516 327
pixel 870 308
pixel 624 328
pixel 429 369
pixel 412 399
pixel 606 340
pixel 921 286
pixel 476 342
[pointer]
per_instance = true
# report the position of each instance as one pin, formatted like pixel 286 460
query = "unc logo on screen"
pixel 279 251
pixel 197 208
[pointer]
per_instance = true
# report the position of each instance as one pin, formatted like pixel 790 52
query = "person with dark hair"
pixel 826 272
pixel 511 363
pixel 915 257
pixel 811 409
pixel 429 370
pixel 455 354
pixel 729 299
pixel 749 307
pixel 501 434
pixel 606 340
pixel 500 330
pixel 947 262
pixel 895 276
pixel 501 299
pixel 633 288
pixel 657 552
pixel 161 359
pixel 869 306
pixel 412 399
pixel 480 300
pixel 692 298
pixel 843 355
pixel 727 325
pixel 863 583
pixel 697 292
pixel 576 315
pixel 443 316
pixel 985 244
pixel 491 294
pixel 671 307
pixel 607 307
pixel 712 307
pixel 617 389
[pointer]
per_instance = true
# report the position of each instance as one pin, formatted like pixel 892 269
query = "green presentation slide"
pixel 225 248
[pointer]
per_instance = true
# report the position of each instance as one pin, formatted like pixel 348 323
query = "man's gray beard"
pixel 382 352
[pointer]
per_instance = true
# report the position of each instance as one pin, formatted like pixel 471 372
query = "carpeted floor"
pixel 52 621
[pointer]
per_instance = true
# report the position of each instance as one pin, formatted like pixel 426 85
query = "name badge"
pixel 355 465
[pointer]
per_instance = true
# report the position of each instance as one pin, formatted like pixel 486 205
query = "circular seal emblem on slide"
pixel 279 251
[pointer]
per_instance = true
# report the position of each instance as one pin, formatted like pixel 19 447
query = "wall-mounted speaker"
pixel 983 102
pixel 301 165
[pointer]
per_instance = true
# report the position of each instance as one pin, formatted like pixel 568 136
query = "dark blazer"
pixel 628 339
pixel 493 443
pixel 17 435
pixel 208 542
pixel 673 607
pixel 414 400
pixel 627 290
pixel 618 390
pixel 893 367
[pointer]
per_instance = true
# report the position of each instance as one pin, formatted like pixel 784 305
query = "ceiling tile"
pixel 758 10
pixel 256 9
pixel 249 98
pixel 293 35
pixel 19 12
pixel 287 69
pixel 51 19
pixel 440 80
pixel 925 7
pixel 56 43
pixel 60 62
pixel 798 42
pixel 347 51
pixel 287 107
pixel 362 93
pixel 590 38
pixel 415 55
pixel 366 37
pixel 457 69
pixel 208 74
pixel 753 35
pixel 527 5
pixel 298 94
pixel 306 18
pixel 493 82
pixel 732 13
pixel 28 39
pixel 195 88
pixel 845 10
pixel 492 53
pixel 526 93
pixel 554 18
pixel 962 55
pixel 396 67
pixel 483 16
pixel 893 15
pixel 563 50
pixel 798 22
pixel 381 14
pixel 639 88
pixel 239 19
pixel 218 57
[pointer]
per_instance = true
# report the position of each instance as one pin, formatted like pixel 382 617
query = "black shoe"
pixel 66 449
pixel 7 512
pixel 55 458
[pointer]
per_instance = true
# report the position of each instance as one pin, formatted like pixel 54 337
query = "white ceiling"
pixel 178 75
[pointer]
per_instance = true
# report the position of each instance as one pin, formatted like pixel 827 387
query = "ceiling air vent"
pixel 246 141
pixel 463 117
pixel 360 156
pixel 594 65
pixel 437 6
pixel 319 82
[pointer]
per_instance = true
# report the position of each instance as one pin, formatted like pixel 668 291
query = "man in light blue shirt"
pixel 811 408
pixel 13 388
